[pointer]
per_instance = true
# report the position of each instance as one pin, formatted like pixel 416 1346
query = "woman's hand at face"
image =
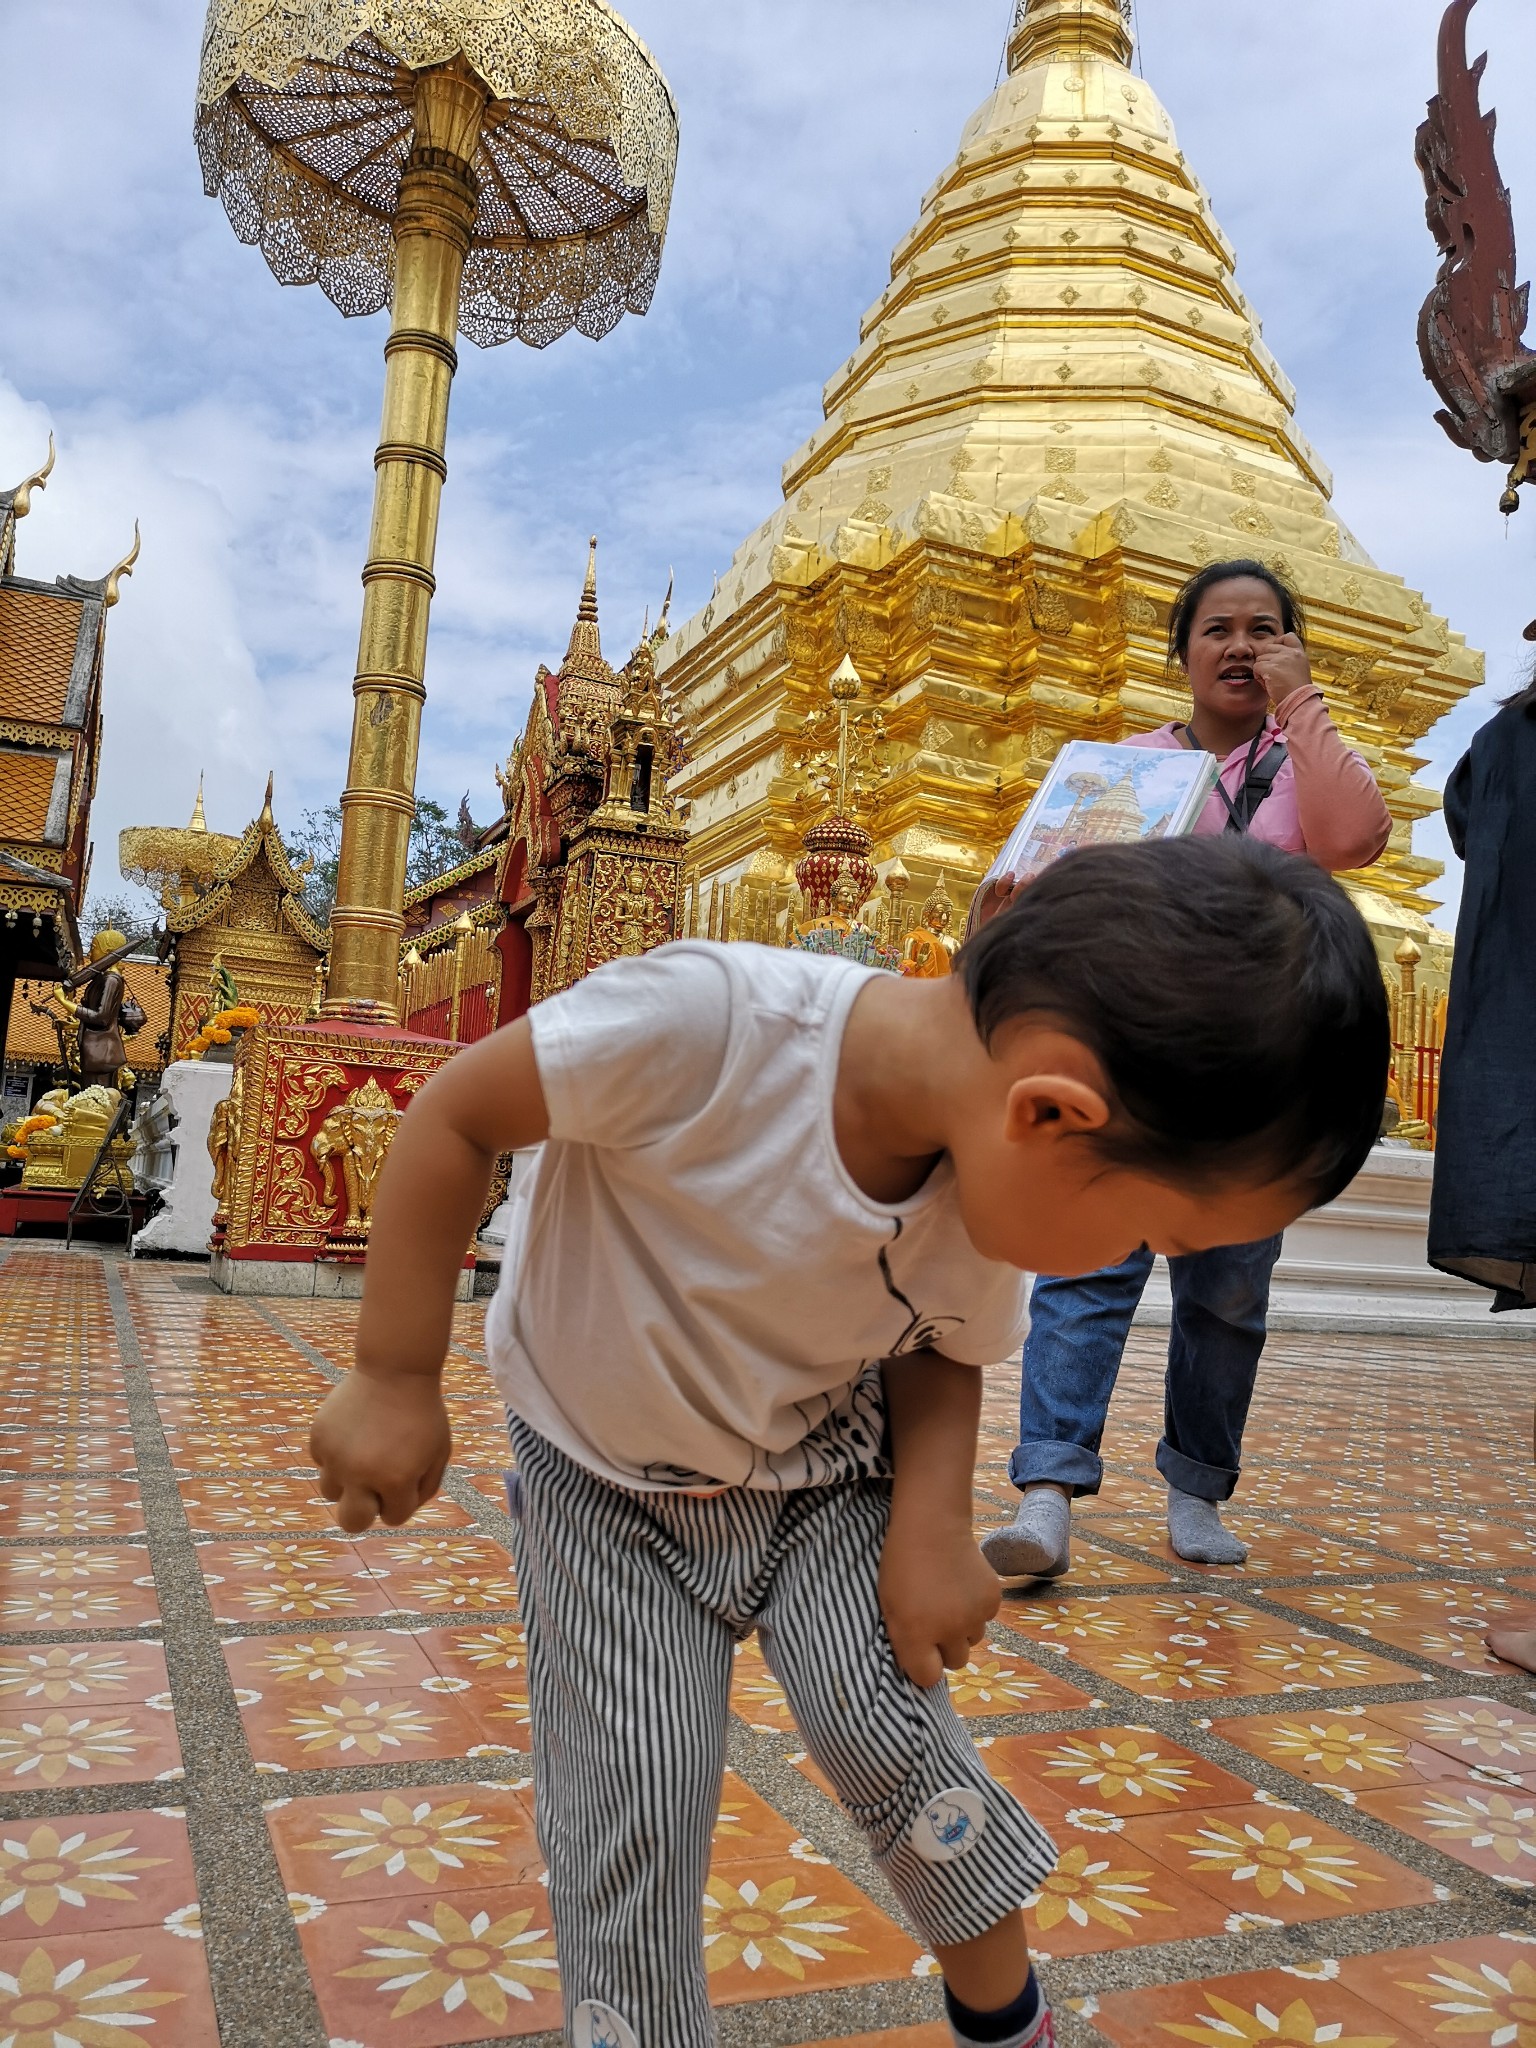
pixel 997 896
pixel 1283 668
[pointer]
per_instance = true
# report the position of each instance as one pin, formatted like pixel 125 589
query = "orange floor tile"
pixel 1274 1761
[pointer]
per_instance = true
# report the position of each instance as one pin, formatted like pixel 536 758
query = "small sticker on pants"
pixel 594 2025
pixel 950 1826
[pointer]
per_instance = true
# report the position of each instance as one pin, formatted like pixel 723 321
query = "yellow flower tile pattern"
pixel 1346 1660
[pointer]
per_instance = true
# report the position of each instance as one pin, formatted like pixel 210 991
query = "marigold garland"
pixel 220 1028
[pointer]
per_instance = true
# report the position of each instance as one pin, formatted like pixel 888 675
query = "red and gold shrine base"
pixel 316 1107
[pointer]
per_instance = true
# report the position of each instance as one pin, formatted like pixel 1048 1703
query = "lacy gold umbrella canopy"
pixel 307 116
pixel 495 168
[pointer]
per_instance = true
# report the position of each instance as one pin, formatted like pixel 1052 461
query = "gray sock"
pixel 1196 1533
pixel 1037 1544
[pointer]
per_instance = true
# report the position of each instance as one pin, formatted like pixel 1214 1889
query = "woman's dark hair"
pixel 1523 699
pixel 1230 993
pixel 1181 620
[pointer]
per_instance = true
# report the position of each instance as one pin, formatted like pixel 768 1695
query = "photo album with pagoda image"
pixel 1097 794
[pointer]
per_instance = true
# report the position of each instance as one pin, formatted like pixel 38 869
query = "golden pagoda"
pixel 1059 409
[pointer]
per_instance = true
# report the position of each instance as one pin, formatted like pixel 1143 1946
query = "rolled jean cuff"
pixel 1205 1482
pixel 1056 1464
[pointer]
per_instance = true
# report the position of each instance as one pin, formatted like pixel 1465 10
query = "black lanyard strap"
pixel 1258 780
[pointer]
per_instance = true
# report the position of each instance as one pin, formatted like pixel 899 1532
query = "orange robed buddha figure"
pixel 930 951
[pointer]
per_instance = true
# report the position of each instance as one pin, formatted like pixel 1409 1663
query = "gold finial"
pixel 266 821
pixel 124 568
pixel 839 746
pixel 1047 30
pixel 1408 954
pixel 21 497
pixel 584 656
pixel 846 681
pixel 897 880
pixel 663 628
pixel 199 820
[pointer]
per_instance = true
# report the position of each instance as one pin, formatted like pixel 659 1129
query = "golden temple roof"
pixel 39 631
pixel 26 794
pixel 261 842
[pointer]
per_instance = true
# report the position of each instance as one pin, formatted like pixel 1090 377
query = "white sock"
pixel 1195 1530
pixel 1037 1544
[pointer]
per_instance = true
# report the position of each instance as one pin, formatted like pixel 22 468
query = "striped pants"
pixel 633 1604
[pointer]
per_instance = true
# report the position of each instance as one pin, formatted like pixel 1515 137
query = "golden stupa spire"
pixel 1055 29
pixel 1059 406
pixel 584 656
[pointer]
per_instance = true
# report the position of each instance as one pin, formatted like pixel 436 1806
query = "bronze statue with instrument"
pixel 93 1012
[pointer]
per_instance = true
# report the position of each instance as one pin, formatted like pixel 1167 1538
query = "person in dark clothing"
pixel 1482 1222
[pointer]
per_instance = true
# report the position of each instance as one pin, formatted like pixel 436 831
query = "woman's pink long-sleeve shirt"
pixel 1324 801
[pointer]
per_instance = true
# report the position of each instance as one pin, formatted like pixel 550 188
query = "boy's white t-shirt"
pixel 694 1293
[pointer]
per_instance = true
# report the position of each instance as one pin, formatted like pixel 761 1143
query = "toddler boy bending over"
pixel 781 1221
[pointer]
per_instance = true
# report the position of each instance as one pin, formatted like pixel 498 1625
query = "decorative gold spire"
pixel 199 819
pixel 584 656
pixel 266 821
pixel 1046 29
pixel 123 568
pixel 21 497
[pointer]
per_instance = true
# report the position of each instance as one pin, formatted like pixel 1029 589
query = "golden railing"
pixel 1418 1043
pixel 450 982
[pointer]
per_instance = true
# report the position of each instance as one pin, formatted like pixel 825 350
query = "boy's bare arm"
pixel 381 1440
pixel 937 1592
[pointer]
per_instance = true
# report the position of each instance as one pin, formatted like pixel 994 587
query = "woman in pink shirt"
pixel 1237 632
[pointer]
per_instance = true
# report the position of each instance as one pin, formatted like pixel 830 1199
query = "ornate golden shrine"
pixel 621 890
pixel 298 1151
pixel 585 864
pixel 251 915
pixel 63 1156
pixel 1060 407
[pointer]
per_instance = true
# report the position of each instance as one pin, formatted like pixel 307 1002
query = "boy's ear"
pixel 1046 1105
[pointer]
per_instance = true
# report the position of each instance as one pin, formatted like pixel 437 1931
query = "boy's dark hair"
pixel 1230 992
pixel 1181 620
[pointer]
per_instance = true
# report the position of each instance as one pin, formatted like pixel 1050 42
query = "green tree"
pixel 129 914
pixel 437 843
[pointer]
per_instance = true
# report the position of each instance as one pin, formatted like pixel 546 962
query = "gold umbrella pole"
pixel 432 237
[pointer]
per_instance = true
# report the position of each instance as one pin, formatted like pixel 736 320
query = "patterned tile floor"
pixel 267 1787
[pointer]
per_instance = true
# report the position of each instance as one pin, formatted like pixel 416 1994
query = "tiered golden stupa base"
pixel 298 1154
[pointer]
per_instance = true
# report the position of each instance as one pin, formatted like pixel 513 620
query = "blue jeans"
pixel 1072 1358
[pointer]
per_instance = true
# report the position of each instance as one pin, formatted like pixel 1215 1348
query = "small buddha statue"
pixel 839 932
pixel 930 952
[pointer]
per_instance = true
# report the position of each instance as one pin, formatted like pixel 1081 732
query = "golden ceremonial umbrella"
pixel 496 168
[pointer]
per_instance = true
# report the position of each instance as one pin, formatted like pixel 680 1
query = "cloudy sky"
pixel 236 420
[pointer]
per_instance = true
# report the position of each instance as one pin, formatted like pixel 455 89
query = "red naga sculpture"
pixel 1473 323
